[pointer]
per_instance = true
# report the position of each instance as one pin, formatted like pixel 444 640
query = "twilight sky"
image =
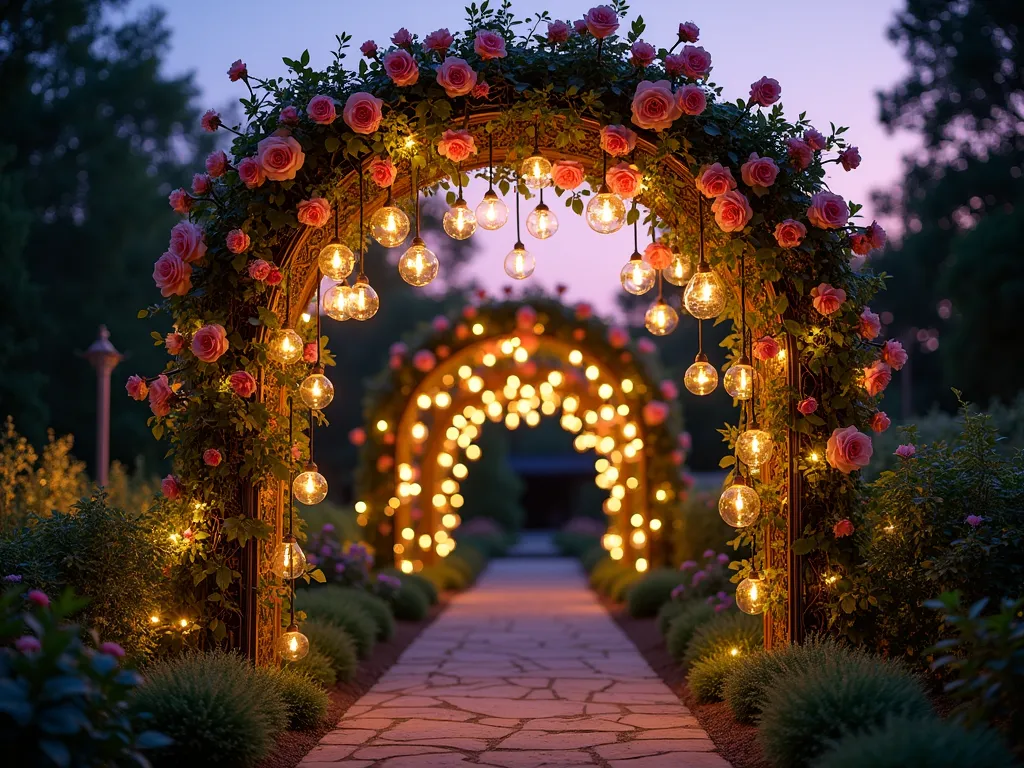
pixel 830 58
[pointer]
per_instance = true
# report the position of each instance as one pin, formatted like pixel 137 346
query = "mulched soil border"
pixel 292 746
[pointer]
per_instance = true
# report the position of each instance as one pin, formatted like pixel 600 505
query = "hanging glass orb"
pixel 536 172
pixel 389 226
pixel 289 560
pixel 754 447
pixel 739 379
pixel 701 378
pixel 316 390
pixel 285 346
pixel 336 260
pixel 739 504
pixel 418 265
pixel 661 319
pixel 363 301
pixel 704 297
pixel 637 277
pixel 606 213
pixel 335 301
pixel 292 645
pixel 310 487
pixel 492 213
pixel 750 597
pixel 541 223
pixel 520 263
pixel 459 222
pixel 678 271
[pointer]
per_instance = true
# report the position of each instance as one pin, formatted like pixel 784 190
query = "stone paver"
pixel 524 670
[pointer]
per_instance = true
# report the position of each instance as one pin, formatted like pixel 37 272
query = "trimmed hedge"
pixel 691 617
pixel 723 632
pixel 653 591
pixel 336 644
pixel 708 676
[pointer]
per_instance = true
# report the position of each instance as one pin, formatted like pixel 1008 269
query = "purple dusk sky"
pixel 830 58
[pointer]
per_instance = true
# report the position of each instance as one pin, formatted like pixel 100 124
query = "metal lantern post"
pixel 104 357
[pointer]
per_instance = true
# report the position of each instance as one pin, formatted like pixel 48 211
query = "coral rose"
pixel 827 299
pixel 369 49
pixel 849 158
pixel 732 211
pixel 175 343
pixel 280 157
pixel 567 174
pixel 714 180
pixel 321 110
pixel 876 235
pixel 624 179
pixel 558 32
pixel 894 355
pixel 212 457
pixel 309 352
pixel 842 529
pixel 668 389
pixel 160 396
pixel 807 406
pixel 601 21
pixel 877 377
pixel 362 112
pixel 654 105
pixel 275 277
pixel 251 172
pixel 906 451
pixel 289 116
pixel 860 244
pixel 172 276
pixel 759 171
pixel 848 450
pixel 242 383
pixel 828 211
pixel 646 346
pixel 584 311
pixel 170 488
pixel 870 325
pixel 480 90
pixel 216 164
pixel 642 54
pixel 880 422
pixel 210 121
pixel 689 32
pixel 402 68
pixel 766 348
pixel 814 139
pixel 456 77
pixel 382 171
pixel 617 140
pixel 180 200
pixel 314 212
pixel 800 153
pixel 237 241
pixel 790 233
pixel 674 65
pixel 136 388
pixel 357 436
pixel 695 61
pixel 765 91
pixel 424 360
pixel 201 184
pixel 438 41
pixel 489 45
pixel 618 337
pixel 402 38
pixel 526 317
pixel 456 145
pixel 440 324
pixel 655 413
pixel 237 71
pixel 692 100
pixel 259 270
pixel 210 342
pixel 658 255
pixel 188 242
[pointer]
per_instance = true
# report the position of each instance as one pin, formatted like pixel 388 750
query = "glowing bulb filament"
pixel 391 225
pixel 753 593
pixel 606 212
pixel 293 644
pixel 705 293
pixel 739 503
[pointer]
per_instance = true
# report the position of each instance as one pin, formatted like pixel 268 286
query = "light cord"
pixel 362 248
pixel 519 239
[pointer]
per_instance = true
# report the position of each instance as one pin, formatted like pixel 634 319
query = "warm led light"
pixel 520 263
pixel 478 329
pixel 382 426
pixel 542 222
pixel 389 226
pixel 459 221
pixel 418 432
pixel 363 301
pixel 575 357
pixel 335 301
pixel 678 271
pixel 739 379
pixel 592 372
pixel 418 265
pixel 734 651
pixel 655 524
pixel 641 565
pixel 284 346
pixel 739 505
pixel 316 390
pixel 637 277
pixel 492 213
pixel 606 213
pixel 425 541
pixel 616 553
pixel 701 378
pixel 555 378
pixel 636 520
pixel 536 172
pixel 292 645
pixel 336 260
pixel 473 452
pixel 704 297
pixel 289 561
pixel 661 494
pixel 154 619
pixel 448 520
pixel 406 566
pixel 408 534
pixel 661 319
pixel 442 400
pixel 750 595
pixel 310 487
pixel 754 447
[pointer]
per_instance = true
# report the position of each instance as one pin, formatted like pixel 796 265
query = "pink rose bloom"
pixel 714 180
pixel 526 317
pixel 695 61
pixel 38 598
pixel 877 377
pixel 765 91
pixel 814 139
pixel 689 32
pixel 237 71
pixel 558 32
pixel 275 277
pixel 580 26
pixel 456 145
pixel 212 457
pixel 974 520
pixel 172 276
pixel 668 389
pixel 759 171
pixel 210 342
pixel 654 105
pixel 456 77
pixel 766 348
pixel 237 241
pixel 601 21
pixel 160 396
pixel 678 457
pixel 210 121
pixel 170 488
pixel 876 235
pixel 827 299
pixel 692 100
pixel 489 45
pixel 618 337
pixel 870 325
pixel 357 436
pixel 362 112
pixel 242 384
pixel 382 171
pixel 567 174
pixel 289 116
pixel 309 352
pixel 398 349
pixel 112 649
pixel 424 361
pixel 685 441
pixel 280 157
pixel 180 200
pixel 894 355
pixel 188 242
pixel 828 211
pixel 314 213
pixel 842 529
pixel 646 346
pixel 402 68
pixel 790 233
pixel 732 211
pixel 27 644
pixel 674 65
pixel 394 363
pixel 848 450
pixel 175 343
pixel 201 184
pixel 584 310
pixel 860 244
pixel 642 54
pixel 849 158
pixel 439 41
pixel 480 90
pixel 800 153
pixel 321 110
pixel 402 38
pixel 440 324
pixel 369 49
pixel 251 172
pixel 880 422
pixel 624 180
pixel 807 406
pixel 658 255
pixel 136 388
pixel 906 451
pixel 259 270
pixel 296 452
pixel 617 140
pixel 655 413
pixel 217 164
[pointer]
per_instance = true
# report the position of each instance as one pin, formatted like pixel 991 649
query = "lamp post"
pixel 104 357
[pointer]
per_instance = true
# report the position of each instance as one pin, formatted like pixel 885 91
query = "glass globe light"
pixel 704 297
pixel 310 487
pixel 536 172
pixel 678 271
pixel 739 505
pixel 701 378
pixel 285 346
pixel 363 301
pixel 389 226
pixel 637 277
pixel 520 263
pixel 289 560
pixel 335 301
pixel 459 222
pixel 754 447
pixel 541 223
pixel 750 596
pixel 316 390
pixel 336 260
pixel 292 645
pixel 606 213
pixel 492 213
pixel 739 379
pixel 661 319
pixel 418 265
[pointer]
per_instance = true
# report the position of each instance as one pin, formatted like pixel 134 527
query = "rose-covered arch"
pixel 734 181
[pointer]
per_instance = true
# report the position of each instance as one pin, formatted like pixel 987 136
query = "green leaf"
pixel 804 546
pixel 332 144
pixel 318 576
pixel 727 461
pixel 142 314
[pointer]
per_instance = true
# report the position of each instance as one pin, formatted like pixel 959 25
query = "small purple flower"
pixel 708 554
pixel 710 600
pixel 722 596
pixel 678 591
pixel 12 578
pixel 723 559
pixel 389 581
pixel 112 649
pixel 325 550
pixel 721 607
pixel 27 644
pixel 339 567
pixel 698 577
pixel 688 565
pixel 328 528
pixel 974 520
pixel 311 559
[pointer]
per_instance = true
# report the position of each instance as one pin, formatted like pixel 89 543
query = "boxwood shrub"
pixel 320 605
pixel 304 698
pixel 653 591
pixel 336 644
pixel 724 632
pixel 692 615
pixel 707 677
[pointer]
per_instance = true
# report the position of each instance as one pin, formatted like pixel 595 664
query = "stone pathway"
pixel 524 670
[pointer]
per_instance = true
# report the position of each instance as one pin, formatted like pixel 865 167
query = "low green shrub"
pixel 724 632
pixel 682 628
pixel 468 559
pixel 215 707
pixel 304 698
pixel 592 557
pixel 843 697
pixel 322 605
pixel 409 603
pixel 336 644
pixel 490 544
pixel 374 607
pixel 652 591
pixel 424 585
pixel 707 677
pixel 606 571
pixel 668 613
pixel 444 576
pixel 918 743
pixel 623 583
pixel 317 666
